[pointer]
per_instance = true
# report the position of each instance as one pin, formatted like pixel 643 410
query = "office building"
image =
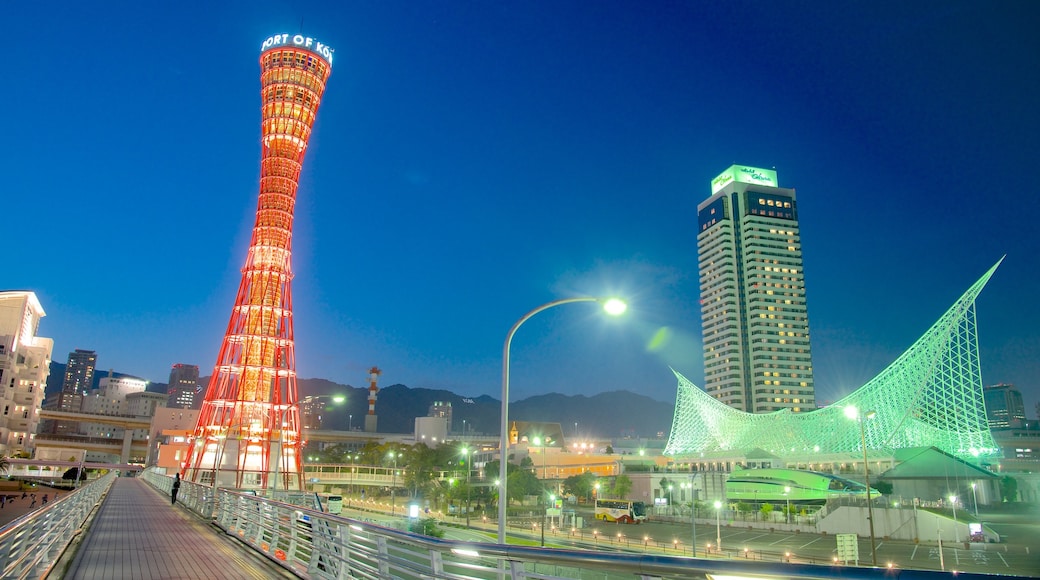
pixel 183 387
pixel 24 365
pixel 1004 406
pixel 753 305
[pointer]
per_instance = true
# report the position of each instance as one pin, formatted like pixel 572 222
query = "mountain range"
pixel 610 414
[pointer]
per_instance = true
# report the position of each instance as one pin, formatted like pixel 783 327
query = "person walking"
pixel 176 487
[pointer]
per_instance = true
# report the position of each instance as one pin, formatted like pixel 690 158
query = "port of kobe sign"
pixel 300 41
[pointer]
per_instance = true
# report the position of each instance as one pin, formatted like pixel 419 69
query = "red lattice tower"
pixel 249 430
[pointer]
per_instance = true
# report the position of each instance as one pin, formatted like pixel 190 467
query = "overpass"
pixel 126 448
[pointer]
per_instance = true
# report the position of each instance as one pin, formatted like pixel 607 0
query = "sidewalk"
pixel 137 534
pixel 18 507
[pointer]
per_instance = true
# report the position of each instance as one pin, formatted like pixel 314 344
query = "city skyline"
pixel 481 160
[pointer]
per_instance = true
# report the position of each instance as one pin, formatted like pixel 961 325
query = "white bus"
pixel 623 511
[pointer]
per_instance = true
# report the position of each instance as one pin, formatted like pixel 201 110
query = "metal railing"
pixel 30 545
pixel 313 544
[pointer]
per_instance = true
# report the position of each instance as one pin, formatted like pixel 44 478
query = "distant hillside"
pixel 612 414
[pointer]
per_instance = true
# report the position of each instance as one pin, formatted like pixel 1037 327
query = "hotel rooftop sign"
pixel 744 174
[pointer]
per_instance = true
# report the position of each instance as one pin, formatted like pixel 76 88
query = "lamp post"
pixel 393 486
pixel 465 454
pixel 953 502
pixel 612 306
pixel 538 442
pixel 693 518
pixel 718 526
pixel 853 413
pixel 787 495
pixel 670 499
pixel 353 470
pixel 975 500
pixel 350 422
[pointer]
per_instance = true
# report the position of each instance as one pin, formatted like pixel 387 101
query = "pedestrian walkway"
pixel 137 534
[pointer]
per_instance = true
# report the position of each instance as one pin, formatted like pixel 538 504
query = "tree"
pixel 74 473
pixel 580 485
pixel 767 509
pixel 622 486
pixel 1008 488
pixel 883 487
pixel 426 527
pixel 5 464
pixel 609 450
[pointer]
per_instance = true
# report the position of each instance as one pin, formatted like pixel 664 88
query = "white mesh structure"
pixel 930 396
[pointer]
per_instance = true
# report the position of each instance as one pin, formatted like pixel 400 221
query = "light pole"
pixel 853 413
pixel 693 518
pixel 975 500
pixel 787 495
pixel 612 306
pixel 538 442
pixel 393 485
pixel 353 470
pixel 718 526
pixel 465 455
pixel 350 422
pixel 670 499
pixel 953 502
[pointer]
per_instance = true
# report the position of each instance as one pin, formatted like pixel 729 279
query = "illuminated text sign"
pixel 300 41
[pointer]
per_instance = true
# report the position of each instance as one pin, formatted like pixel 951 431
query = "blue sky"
pixel 473 160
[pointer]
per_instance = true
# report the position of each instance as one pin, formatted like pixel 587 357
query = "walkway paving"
pixel 137 534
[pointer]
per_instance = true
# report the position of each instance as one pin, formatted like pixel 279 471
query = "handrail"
pixel 30 545
pixel 312 544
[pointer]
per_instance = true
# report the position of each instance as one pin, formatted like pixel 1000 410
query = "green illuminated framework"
pixel 930 396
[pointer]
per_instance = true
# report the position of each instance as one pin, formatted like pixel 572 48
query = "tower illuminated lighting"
pixel 249 430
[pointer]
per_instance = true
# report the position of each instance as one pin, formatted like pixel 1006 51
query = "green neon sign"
pixel 744 174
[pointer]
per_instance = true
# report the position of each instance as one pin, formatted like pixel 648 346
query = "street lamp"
pixel 465 455
pixel 787 494
pixel 538 442
pixel 953 502
pixel 693 518
pixel 718 526
pixel 670 499
pixel 853 413
pixel 612 306
pixel 975 500
pixel 393 485
pixel 350 422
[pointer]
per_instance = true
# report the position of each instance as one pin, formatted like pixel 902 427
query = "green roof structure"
pixel 931 396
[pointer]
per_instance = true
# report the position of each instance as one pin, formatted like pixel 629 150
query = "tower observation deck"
pixel 249 430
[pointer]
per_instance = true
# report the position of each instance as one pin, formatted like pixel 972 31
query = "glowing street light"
pixel 853 413
pixel 465 455
pixel 787 494
pixel 975 500
pixel 393 486
pixel 953 502
pixel 718 526
pixel 612 306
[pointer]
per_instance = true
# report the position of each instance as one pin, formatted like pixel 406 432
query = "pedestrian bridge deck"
pixel 138 534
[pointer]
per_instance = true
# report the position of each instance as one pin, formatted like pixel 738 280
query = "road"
pixel 1018 557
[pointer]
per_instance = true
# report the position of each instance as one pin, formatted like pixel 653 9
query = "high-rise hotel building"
pixel 753 312
pixel 25 359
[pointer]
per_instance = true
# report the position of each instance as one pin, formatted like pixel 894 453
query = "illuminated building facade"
pixel 25 360
pixel 249 429
pixel 753 309
pixel 931 396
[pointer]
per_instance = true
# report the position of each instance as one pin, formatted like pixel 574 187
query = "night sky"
pixel 474 160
